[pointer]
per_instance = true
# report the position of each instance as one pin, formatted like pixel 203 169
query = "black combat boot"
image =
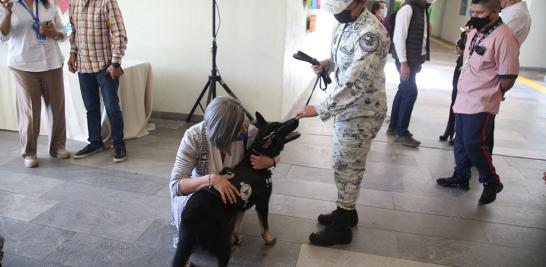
pixel 454 182
pixel 327 219
pixel 338 232
pixel 490 191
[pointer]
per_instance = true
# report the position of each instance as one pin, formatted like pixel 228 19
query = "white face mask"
pixel 382 12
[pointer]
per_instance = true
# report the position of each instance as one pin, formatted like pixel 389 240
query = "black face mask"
pixel 479 23
pixel 344 16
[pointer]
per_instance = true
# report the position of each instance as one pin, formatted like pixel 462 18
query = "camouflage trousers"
pixel 352 140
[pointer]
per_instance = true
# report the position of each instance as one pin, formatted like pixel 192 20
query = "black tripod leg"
pixel 212 91
pixel 226 87
pixel 198 101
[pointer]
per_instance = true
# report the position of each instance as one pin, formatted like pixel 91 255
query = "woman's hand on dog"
pixel 228 191
pixel 307 112
pixel 261 162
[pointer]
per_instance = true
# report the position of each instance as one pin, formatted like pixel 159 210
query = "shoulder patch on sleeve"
pixel 369 42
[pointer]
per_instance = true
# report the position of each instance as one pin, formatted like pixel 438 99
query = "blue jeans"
pixel 404 100
pixel 471 146
pixel 90 83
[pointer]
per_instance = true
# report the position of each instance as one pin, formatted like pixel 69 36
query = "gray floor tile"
pixel 253 252
pixel 14 260
pixel 114 179
pixel 158 236
pixel 321 256
pixel 31 240
pixel 424 224
pixel 328 192
pixel 463 253
pixel 96 220
pixel 87 250
pixel 121 201
pixel 28 185
pixel 516 236
pixel 22 207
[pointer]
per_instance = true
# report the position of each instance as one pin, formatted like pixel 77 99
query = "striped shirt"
pixel 98 34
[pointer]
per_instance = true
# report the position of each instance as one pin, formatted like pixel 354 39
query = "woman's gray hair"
pixel 223 118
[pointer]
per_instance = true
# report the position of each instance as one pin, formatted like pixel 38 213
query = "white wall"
pixel 297 75
pixel 532 53
pixel 452 21
pixel 175 36
pixel 436 17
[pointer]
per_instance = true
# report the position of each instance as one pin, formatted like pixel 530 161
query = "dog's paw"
pixel 269 239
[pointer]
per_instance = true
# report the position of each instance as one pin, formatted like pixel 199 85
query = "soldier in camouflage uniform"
pixel 357 104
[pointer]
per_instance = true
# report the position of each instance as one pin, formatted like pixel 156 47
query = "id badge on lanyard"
pixel 35 19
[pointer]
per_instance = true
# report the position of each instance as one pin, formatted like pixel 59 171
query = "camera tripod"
pixel 214 75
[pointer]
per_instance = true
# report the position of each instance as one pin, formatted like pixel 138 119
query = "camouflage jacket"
pixel 358 57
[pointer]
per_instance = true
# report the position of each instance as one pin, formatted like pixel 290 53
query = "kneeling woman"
pixel 206 149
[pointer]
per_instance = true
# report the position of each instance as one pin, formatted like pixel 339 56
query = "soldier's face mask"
pixel 344 16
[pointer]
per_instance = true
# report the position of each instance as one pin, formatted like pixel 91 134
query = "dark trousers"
pixel 90 85
pixel 471 147
pixel 450 128
pixel 1 249
pixel 402 106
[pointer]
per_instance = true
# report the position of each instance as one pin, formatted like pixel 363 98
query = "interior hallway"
pixel 92 212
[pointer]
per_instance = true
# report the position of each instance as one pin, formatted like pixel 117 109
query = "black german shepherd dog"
pixel 210 223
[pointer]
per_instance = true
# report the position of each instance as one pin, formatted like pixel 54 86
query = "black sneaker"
pixel 407 141
pixel 490 191
pixel 120 154
pixel 327 219
pixel 454 182
pixel 88 151
pixel 391 132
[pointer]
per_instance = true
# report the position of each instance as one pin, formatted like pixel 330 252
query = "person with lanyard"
pixel 490 69
pixel 33 29
pixel 358 105
pixel 98 43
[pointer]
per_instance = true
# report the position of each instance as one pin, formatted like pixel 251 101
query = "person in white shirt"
pixel 411 50
pixel 516 15
pixel 32 29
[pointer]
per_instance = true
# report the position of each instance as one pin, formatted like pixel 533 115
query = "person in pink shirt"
pixel 490 69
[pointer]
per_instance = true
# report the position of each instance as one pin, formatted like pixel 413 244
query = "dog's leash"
pixel 323 79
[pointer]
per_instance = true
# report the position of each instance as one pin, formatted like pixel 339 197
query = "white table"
pixel 135 93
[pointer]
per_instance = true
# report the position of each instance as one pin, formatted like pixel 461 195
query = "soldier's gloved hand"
pixel 307 112
pixel 323 66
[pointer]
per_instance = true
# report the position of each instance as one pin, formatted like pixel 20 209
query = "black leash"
pixel 323 79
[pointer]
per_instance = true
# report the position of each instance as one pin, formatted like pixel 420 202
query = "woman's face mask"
pixel 382 12
pixel 242 134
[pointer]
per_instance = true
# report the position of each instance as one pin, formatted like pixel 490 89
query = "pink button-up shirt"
pixel 479 84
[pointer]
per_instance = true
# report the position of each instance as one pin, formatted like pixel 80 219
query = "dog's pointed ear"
pixel 260 121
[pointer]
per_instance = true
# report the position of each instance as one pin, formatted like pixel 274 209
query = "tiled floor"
pixel 92 212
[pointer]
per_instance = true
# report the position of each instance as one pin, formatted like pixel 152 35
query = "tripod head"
pixel 313 61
